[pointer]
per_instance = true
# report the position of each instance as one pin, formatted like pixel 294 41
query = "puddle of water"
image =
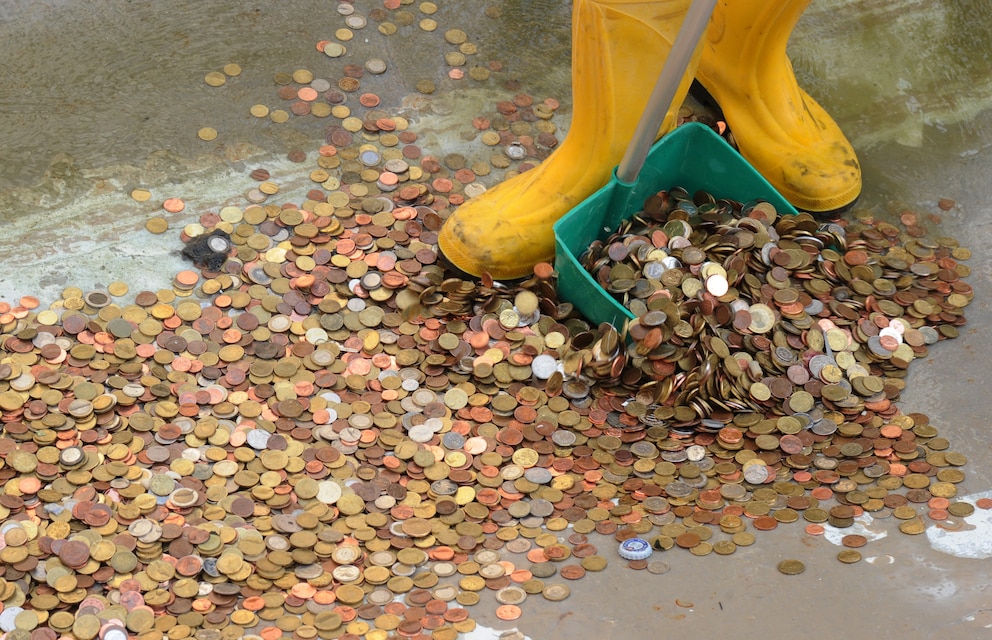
pixel 971 541
pixel 889 70
pixel 862 526
pixel 482 632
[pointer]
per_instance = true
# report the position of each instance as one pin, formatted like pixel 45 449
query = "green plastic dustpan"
pixel 692 157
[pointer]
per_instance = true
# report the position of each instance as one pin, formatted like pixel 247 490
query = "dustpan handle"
pixel 691 31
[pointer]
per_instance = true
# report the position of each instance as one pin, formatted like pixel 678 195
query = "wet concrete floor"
pixel 101 97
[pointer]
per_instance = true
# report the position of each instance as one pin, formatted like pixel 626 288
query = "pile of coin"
pixel 278 447
pixel 739 309
pixel 333 436
pixel 782 339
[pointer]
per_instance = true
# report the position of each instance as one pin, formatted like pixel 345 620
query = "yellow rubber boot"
pixel 618 50
pixel 780 129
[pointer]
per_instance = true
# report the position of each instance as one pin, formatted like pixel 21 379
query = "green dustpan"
pixel 691 157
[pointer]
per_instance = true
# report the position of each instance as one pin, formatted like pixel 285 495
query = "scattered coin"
pixel 791 567
pixel 849 556
pixel 157 224
pixel 330 370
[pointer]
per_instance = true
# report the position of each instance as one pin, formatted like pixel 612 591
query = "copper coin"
pixel 456 614
pixel 508 612
pixel 687 540
pixel 572 572
pixel 765 523
pixel 854 541
pixel 74 553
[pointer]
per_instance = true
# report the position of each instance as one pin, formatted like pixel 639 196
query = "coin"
pixel 658 567
pixel 555 592
pixel 215 79
pixel 913 526
pixel 791 567
pixel 508 612
pixel 511 595
pixel 854 541
pixel 849 556
pixel 572 572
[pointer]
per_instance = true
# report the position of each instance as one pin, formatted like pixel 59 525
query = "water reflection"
pixel 889 69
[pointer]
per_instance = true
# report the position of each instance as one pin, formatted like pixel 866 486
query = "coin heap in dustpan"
pixel 742 310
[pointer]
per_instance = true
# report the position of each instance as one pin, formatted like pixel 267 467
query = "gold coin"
pixel 352 124
pixel 961 509
pixel 243 618
pixel 350 594
pixel 141 195
pixel 943 490
pixel 455 36
pixel 913 527
pixel 303 76
pixel 157 225
pixel 955 458
pixel 786 515
pixel 86 627
pixel 336 49
pixel 701 549
pixel 904 512
pixel 26 620
pixel 399 584
pixel 472 583
pixel 791 567
pixel 207 134
pixel 140 620
pixel 743 539
pixel 724 547
pixel 490 138
pixel 849 556
pixel 330 621
pixel 215 79
pixel 532 586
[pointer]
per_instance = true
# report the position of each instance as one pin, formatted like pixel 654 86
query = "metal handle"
pixel 691 31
